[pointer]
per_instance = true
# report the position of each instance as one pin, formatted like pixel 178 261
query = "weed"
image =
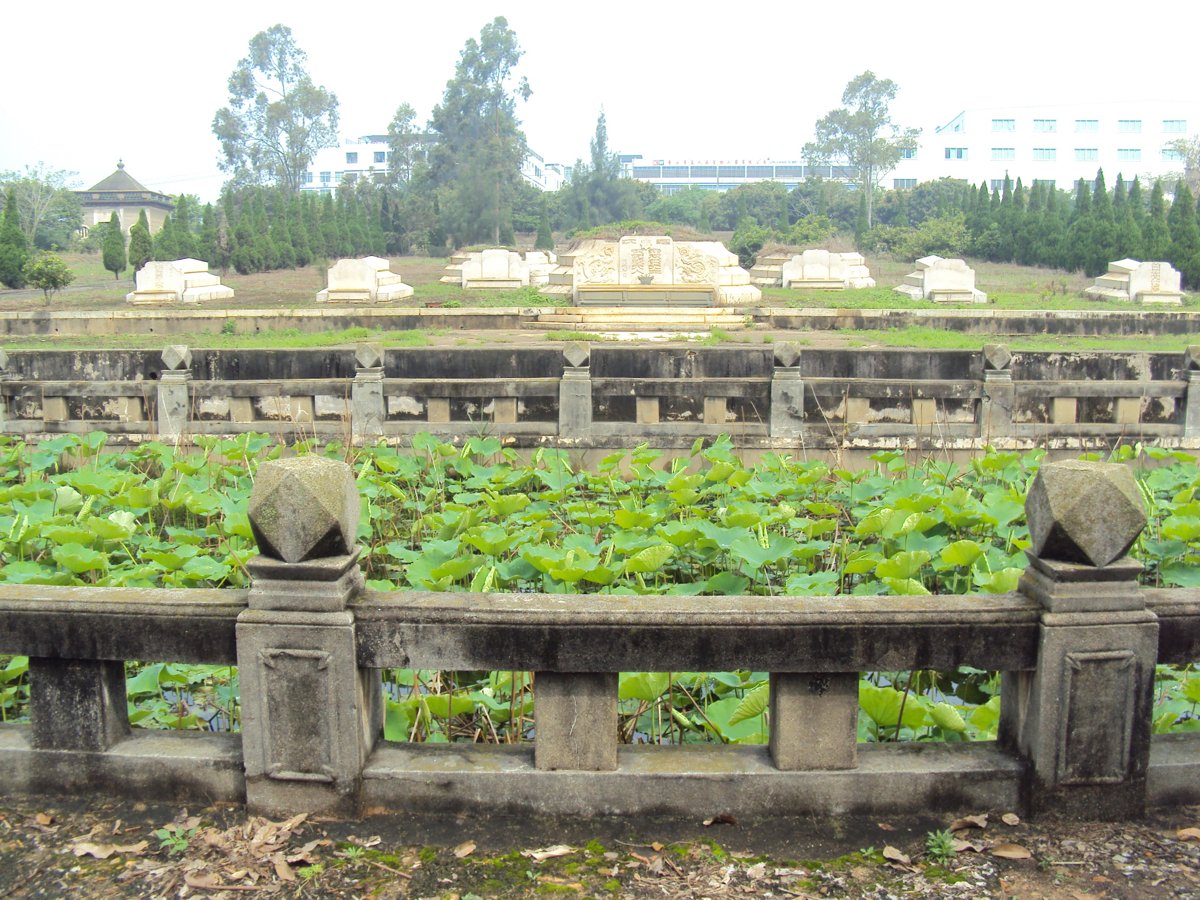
pixel 173 840
pixel 230 327
pixel 310 872
pixel 939 845
pixel 574 336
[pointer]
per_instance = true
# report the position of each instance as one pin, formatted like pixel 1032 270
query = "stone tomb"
pixel 1131 281
pixel 651 270
pixel 176 281
pixel 942 281
pixel 823 270
pixel 498 268
pixel 366 280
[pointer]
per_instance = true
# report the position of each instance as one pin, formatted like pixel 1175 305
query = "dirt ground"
pixel 92 850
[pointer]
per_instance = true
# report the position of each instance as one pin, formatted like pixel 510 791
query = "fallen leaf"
pixel 894 855
pixel 722 819
pixel 369 842
pixel 884 826
pixel 1010 819
pixel 960 846
pixel 656 866
pixel 466 848
pixel 657 846
pixel 1011 851
pixel 104 851
pixel 1188 834
pixel 548 852
pixel 282 869
pixel 757 871
pixel 969 822
pixel 44 818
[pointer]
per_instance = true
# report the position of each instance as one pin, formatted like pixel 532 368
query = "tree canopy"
pixel 47 208
pixel 277 119
pixel 862 135
pixel 113 247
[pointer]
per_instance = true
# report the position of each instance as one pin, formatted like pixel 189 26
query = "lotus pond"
pixel 479 518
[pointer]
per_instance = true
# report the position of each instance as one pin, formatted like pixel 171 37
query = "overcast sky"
pixel 89 82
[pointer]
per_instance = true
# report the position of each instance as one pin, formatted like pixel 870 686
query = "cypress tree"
pixel 141 246
pixel 1077 248
pixel 1156 238
pixel 299 231
pixel 164 242
pixel 14 250
pixel 860 222
pixel 1052 233
pixel 1129 235
pixel 545 240
pixel 113 248
pixel 1137 203
pixel 1185 236
pixel 1103 243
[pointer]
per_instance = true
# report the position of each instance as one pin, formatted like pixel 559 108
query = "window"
pixel 308 177
pixel 674 171
pixel 380 156
pixel 1170 155
pixel 325 177
pixel 904 183
pixel 1087 124
pixel 704 172
pixel 1004 124
pixel 997 184
pixel 1045 124
pixel 1175 126
pixel 1129 154
pixel 351 158
pixel 1002 153
pixel 908 153
pixel 1086 154
pixel 1129 126
pixel 1045 154
pixel 760 171
pixel 956 153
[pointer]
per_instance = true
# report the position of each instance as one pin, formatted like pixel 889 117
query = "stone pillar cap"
pixel 304 508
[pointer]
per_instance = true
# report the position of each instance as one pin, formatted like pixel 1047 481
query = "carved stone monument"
pixel 823 270
pixel 498 268
pixel 177 281
pixel 366 280
pixel 942 281
pixel 651 270
pixel 1138 282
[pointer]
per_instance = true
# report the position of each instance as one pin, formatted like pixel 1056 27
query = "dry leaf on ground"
pixel 466 848
pixel 892 854
pixel 722 819
pixel 104 851
pixel 1188 834
pixel 1011 851
pixel 1010 819
pixel 548 852
pixel 969 822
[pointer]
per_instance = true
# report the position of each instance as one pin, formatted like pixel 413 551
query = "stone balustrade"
pixel 1078 643
pixel 595 396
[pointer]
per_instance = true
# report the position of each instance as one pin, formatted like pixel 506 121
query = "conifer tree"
pixel 1129 235
pixel 1076 251
pixel 1185 236
pixel 14 249
pixel 1156 238
pixel 1103 239
pixel 141 245
pixel 113 248
pixel 545 240
pixel 1137 203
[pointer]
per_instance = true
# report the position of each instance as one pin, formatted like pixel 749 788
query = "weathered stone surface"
pixel 368 355
pixel 304 508
pixel 1191 358
pixel 177 356
pixel 996 356
pixel 787 354
pixel 1084 512
pixel 576 720
pixel 578 354
pixel 3 360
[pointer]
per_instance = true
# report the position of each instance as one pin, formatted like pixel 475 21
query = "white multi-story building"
pixel 1057 145
pixel 369 157
pixel 1053 144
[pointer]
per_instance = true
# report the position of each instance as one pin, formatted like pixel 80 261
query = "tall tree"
pixel 405 142
pixel 277 119
pixel 476 161
pixel 113 247
pixel 1185 236
pixel 14 250
pixel 1156 237
pixel 48 209
pixel 862 135
pixel 141 245
pixel 1187 152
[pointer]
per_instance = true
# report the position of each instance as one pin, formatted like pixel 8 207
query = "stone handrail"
pixel 597 397
pixel 1078 643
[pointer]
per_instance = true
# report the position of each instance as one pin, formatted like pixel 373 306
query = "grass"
pixel 283 339
pixel 575 336
pixel 936 339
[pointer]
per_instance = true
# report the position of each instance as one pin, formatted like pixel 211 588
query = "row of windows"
pixel 379 156
pixel 1050 154
pixel 653 173
pixel 1125 126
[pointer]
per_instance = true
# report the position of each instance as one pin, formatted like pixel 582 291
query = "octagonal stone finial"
pixel 577 355
pixel 1191 358
pixel 177 356
pixel 996 357
pixel 787 355
pixel 304 508
pixel 1084 512
pixel 369 355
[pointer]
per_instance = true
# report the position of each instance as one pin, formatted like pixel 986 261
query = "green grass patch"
pixel 886 298
pixel 937 339
pixel 575 336
pixel 283 339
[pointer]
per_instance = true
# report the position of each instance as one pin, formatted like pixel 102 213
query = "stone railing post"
pixel 1082 718
pixel 814 720
pixel 1191 413
pixel 310 716
pixel 77 704
pixel 368 410
pixel 787 394
pixel 996 408
pixel 575 721
pixel 575 393
pixel 174 393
